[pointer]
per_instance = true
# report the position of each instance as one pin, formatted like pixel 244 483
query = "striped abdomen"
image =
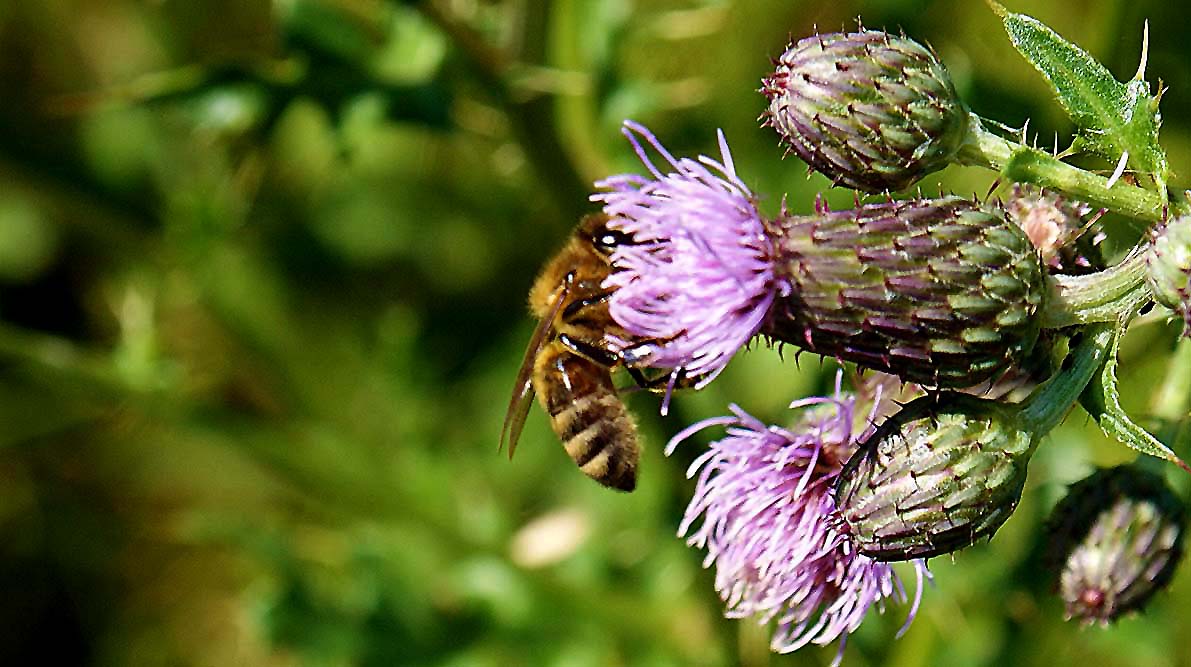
pixel 587 415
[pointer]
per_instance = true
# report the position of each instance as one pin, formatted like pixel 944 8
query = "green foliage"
pixel 1113 118
pixel 1102 400
pixel 262 281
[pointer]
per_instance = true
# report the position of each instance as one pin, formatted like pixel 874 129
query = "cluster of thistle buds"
pixel 949 297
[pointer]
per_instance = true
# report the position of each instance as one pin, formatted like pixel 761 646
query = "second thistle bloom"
pixel 764 511
pixel 934 478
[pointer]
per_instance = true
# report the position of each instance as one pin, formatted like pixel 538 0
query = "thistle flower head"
pixel 1169 268
pixel 767 518
pixel 869 110
pixel 1115 541
pixel 941 292
pixel 696 279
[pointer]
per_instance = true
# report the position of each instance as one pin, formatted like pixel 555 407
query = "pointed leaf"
pixel 1102 400
pixel 1112 118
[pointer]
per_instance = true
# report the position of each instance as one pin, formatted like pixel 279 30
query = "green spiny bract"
pixel 940 474
pixel 939 292
pixel 869 110
pixel 1113 542
pixel 1168 263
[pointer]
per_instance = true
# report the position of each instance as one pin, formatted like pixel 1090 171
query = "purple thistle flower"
pixel 697 280
pixel 772 530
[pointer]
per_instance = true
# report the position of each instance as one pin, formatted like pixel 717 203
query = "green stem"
pixel 531 114
pixel 63 364
pixel 1105 296
pixel 1049 404
pixel 1020 163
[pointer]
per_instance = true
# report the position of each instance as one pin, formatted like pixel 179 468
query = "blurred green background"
pixel 262 280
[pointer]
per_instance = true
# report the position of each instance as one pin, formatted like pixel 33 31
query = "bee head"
pixel 604 239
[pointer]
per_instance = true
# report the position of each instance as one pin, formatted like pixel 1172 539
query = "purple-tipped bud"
pixel 1053 224
pixel 697 279
pixel 1169 266
pixel 934 478
pixel 939 292
pixel 869 110
pixel 1114 541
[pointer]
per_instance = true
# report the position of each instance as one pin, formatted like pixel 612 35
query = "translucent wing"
pixel 522 396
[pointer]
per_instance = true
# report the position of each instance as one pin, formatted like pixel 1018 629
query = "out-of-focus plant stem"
pixel 1171 404
pixel 530 114
pixel 61 362
pixel 577 110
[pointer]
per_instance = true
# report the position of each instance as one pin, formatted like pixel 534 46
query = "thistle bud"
pixel 869 110
pixel 1055 225
pixel 1115 541
pixel 938 292
pixel 1169 267
pixel 935 477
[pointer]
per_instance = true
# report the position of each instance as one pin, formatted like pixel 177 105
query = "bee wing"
pixel 522 396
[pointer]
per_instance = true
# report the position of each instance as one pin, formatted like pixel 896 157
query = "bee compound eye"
pixel 606 240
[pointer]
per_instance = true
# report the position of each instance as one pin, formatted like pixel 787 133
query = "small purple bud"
pixel 869 110
pixel 1114 542
pixel 1053 224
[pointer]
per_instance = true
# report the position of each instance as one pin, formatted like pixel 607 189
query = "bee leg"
pixel 661 383
pixel 571 313
pixel 636 358
pixel 595 353
pixel 639 353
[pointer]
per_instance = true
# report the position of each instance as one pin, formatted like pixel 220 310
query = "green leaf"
pixel 1112 118
pixel 1102 400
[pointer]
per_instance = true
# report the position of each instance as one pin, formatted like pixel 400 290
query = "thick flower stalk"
pixel 869 110
pixel 941 292
pixel 697 280
pixel 1115 541
pixel 763 509
pixel 1168 266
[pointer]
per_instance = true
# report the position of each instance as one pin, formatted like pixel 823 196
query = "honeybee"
pixel 569 362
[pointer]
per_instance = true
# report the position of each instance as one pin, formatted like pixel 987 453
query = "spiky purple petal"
pixel 769 523
pixel 696 281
